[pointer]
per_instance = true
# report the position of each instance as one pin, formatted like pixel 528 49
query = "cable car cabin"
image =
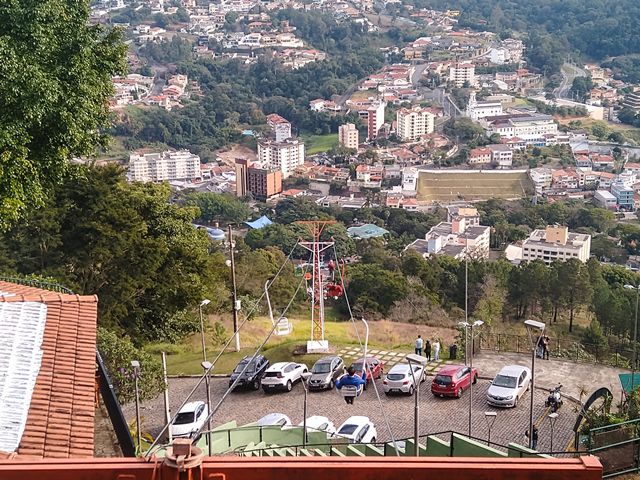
pixel 334 290
pixel 351 391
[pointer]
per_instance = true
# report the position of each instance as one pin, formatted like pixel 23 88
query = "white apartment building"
pixel 414 122
pixel 556 243
pixel 477 110
pixel 541 177
pixel 531 128
pixel 348 136
pixel 164 166
pixel 280 127
pixel 284 156
pixel 605 199
pixel 461 73
pixel 410 179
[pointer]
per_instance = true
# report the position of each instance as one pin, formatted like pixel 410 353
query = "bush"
pixel 168 348
pixel 117 353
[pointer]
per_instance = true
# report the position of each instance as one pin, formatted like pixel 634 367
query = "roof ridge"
pixel 48 297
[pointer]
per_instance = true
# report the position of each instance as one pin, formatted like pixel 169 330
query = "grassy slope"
pixel 319 143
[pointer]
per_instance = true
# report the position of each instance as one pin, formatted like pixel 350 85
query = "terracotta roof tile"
pixel 61 414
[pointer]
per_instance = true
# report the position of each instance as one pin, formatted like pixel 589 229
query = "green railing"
pixel 34 282
pixel 617 446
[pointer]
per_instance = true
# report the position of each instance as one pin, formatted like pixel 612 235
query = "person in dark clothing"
pixel 351 379
pixel 427 350
pixel 545 347
pixel 534 441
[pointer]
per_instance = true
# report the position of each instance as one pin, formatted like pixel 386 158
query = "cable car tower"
pixel 317 343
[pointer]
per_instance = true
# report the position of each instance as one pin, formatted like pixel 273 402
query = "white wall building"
pixel 541 177
pixel 348 136
pixel 531 128
pixel 556 243
pixel 410 179
pixel 605 199
pixel 477 110
pixel 461 73
pixel 280 127
pixel 284 156
pixel 414 122
pixel 164 166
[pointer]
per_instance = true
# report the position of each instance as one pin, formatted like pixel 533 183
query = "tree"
pixel 55 78
pixel 576 289
pixel 218 207
pixel 374 289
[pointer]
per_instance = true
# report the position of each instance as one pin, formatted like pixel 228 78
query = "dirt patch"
pixel 229 154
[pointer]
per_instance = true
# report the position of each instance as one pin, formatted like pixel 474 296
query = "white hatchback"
pixel 400 379
pixel 189 420
pixel 508 386
pixel 282 376
pixel 318 423
pixel 357 429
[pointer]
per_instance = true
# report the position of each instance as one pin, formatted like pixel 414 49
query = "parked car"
pixel 357 429
pixel 508 386
pixel 252 375
pixel 282 376
pixel 453 380
pixel 189 420
pixel 325 372
pixel 375 368
pixel 400 379
pixel 276 419
pixel 318 423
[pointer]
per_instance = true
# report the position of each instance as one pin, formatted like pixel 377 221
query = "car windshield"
pixel 348 429
pixel 442 380
pixel 357 367
pixel 184 418
pixel 395 376
pixel 240 367
pixel 321 368
pixel 505 381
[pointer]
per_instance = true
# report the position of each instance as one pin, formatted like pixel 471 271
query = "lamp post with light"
pixel 490 418
pixel 470 326
pixel 414 359
pixel 305 383
pixel 204 345
pixel 552 421
pixel 533 327
pixel 207 367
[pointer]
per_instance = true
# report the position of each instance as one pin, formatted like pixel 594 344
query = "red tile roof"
pixel 61 415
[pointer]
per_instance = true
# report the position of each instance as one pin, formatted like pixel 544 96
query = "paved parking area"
pixel 436 415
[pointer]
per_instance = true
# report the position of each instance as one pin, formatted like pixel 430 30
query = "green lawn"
pixel 319 143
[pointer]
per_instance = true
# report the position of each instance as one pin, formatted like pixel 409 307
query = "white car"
pixel 190 419
pixel 278 419
pixel 282 376
pixel 358 429
pixel 318 423
pixel 508 386
pixel 400 379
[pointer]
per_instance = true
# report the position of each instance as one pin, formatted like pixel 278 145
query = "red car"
pixel 375 368
pixel 452 380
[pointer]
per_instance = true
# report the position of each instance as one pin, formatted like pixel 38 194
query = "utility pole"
pixel 234 299
pixel 167 413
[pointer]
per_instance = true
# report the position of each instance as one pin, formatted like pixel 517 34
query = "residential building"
pixel 632 101
pixel 410 179
pixel 624 195
pixel 565 179
pixel 164 166
pixel 480 156
pixel 369 176
pixel 47 372
pixel 541 177
pixel 470 214
pixel 373 115
pixel 462 73
pixel 348 136
pixel 412 123
pixel 460 238
pixel 605 199
pixel 556 243
pixel 284 156
pixel 530 128
pixel 477 110
pixel 501 156
pixel 261 183
pixel 280 127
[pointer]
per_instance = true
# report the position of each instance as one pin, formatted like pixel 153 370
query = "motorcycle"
pixel 554 400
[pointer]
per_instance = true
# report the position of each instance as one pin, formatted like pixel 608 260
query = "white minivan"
pixel 508 386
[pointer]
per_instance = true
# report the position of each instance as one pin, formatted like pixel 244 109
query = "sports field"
pixel 448 185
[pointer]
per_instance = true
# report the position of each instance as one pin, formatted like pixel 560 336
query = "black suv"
pixel 252 375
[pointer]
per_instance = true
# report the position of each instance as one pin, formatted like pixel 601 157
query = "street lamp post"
pixel 466 325
pixel 552 421
pixel 533 327
pixel 236 305
pixel 635 335
pixel 412 358
pixel 204 345
pixel 135 364
pixel 206 366
pixel 305 379
pixel 490 418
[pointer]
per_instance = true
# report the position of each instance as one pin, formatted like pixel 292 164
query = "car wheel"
pixel 515 402
pixel 266 390
pixel 459 393
pixel 289 385
pixel 411 390
pixel 256 384
pixel 475 379
pixel 364 387
pixel 373 440
pixel 331 384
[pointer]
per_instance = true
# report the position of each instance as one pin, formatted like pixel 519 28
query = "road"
pixel 569 73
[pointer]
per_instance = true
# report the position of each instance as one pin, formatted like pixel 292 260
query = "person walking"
pixel 436 350
pixel 545 347
pixel 419 343
pixel 534 441
pixel 427 350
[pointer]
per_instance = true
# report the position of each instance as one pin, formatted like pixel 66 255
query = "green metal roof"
pixel 368 230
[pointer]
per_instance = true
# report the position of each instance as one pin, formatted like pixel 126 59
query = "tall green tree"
pixel 55 79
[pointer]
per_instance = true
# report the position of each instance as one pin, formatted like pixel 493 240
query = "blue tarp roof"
pixel 262 222
pixel 368 230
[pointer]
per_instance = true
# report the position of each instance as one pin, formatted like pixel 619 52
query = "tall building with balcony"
pixel 164 166
pixel 280 127
pixel 461 73
pixel 348 136
pixel 284 156
pixel 556 243
pixel 414 122
pixel 373 116
pixel 624 196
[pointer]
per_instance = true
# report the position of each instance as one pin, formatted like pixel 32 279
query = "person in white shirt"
pixel 419 343
pixel 436 350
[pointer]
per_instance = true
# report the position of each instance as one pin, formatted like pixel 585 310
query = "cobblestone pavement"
pixel 436 415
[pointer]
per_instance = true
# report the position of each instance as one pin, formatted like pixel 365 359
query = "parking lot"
pixel 436 414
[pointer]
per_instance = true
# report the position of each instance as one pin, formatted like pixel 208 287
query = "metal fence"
pixel 32 282
pixel 617 355
pixel 617 446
